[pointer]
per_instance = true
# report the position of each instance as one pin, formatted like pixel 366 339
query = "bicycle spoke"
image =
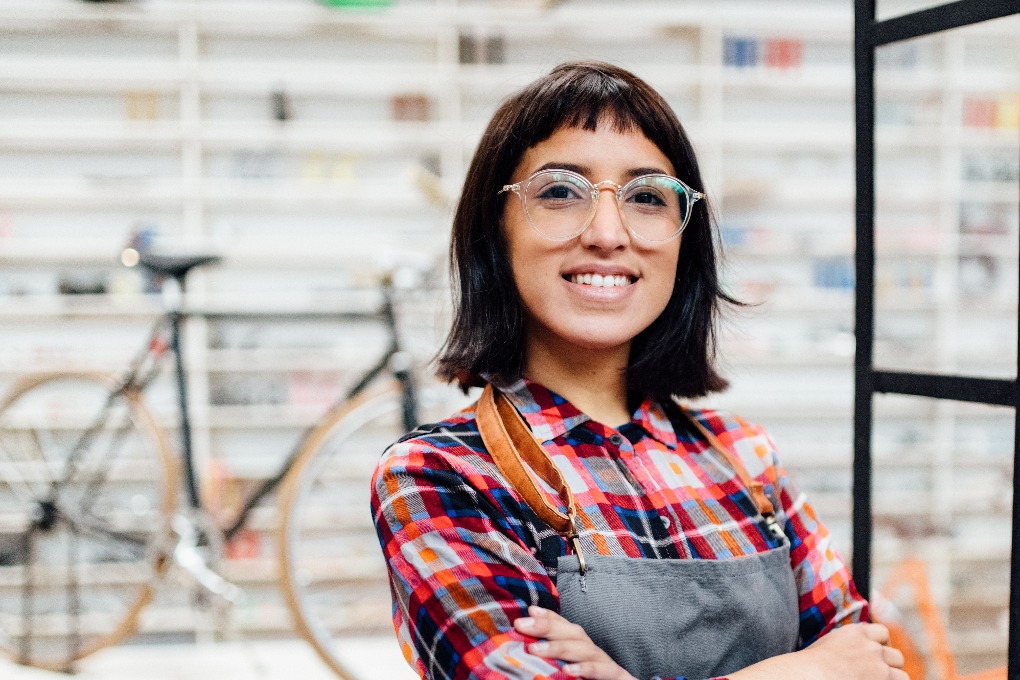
pixel 73 599
pixel 103 467
pixel 96 529
pixel 84 442
pixel 27 610
pixel 12 467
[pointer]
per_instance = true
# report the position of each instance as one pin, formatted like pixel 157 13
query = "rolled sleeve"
pixel 459 575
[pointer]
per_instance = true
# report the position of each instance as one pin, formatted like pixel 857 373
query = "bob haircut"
pixel 675 355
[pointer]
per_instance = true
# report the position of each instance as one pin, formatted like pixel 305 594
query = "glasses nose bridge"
pixel 596 189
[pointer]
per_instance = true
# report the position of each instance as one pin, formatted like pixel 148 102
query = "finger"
pixel 877 632
pixel 592 670
pixel 568 650
pixel 546 624
pixel 546 614
pixel 893 657
pixel 897 674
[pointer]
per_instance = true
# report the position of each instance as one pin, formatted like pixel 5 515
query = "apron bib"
pixel 695 618
pixel 656 617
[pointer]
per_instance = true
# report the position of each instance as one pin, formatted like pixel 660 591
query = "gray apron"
pixel 689 617
pixel 656 617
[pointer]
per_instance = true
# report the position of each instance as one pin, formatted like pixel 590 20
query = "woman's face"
pixel 565 310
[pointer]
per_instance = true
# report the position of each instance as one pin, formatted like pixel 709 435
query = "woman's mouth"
pixel 600 280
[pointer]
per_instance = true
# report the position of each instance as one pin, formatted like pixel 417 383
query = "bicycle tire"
pixel 83 535
pixel 332 571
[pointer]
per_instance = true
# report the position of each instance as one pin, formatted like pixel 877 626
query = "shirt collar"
pixel 549 415
pixel 653 419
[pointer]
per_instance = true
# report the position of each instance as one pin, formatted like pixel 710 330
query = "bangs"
pixel 584 95
pixel 593 98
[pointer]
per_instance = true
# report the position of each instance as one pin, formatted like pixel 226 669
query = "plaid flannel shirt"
pixel 467 556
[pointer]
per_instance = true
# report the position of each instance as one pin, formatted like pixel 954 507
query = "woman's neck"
pixel 592 380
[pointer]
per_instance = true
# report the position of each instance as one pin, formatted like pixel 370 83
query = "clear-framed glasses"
pixel 560 204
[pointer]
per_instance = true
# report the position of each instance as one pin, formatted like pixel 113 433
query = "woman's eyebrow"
pixel 637 172
pixel 572 167
pixel 585 171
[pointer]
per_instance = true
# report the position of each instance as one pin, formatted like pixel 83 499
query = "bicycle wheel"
pixel 86 490
pixel 332 571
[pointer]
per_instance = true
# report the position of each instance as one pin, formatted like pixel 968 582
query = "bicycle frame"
pixel 395 360
pixel 166 337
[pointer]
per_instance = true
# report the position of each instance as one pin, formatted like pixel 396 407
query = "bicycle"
pixel 89 518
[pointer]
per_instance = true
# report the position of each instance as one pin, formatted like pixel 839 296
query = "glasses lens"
pixel 558 203
pixel 655 207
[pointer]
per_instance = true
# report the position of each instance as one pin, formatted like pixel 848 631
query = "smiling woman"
pixel 579 520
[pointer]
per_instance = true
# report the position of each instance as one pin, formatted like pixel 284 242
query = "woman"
pixel 583 251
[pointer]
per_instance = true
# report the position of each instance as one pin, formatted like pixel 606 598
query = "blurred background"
pixel 317 145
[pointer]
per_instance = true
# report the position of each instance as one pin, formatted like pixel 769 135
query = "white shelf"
pixel 104 307
pixel 90 75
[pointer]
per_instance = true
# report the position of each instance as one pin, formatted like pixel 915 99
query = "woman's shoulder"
pixel 748 439
pixel 722 422
pixel 453 441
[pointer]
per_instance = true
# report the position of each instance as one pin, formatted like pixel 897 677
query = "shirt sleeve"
pixel 459 574
pixel 828 596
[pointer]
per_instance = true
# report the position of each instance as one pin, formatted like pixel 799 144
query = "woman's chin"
pixel 588 341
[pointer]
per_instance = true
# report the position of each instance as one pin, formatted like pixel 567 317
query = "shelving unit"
pixel 315 148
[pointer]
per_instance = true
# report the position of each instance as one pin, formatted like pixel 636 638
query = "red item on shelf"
pixel 978 112
pixel 784 52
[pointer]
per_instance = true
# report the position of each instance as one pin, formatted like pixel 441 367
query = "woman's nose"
pixel 606 230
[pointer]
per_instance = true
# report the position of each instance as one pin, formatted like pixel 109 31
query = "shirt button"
pixel 665 520
pixel 615 440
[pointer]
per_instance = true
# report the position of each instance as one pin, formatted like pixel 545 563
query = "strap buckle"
pixel 774 528
pixel 575 544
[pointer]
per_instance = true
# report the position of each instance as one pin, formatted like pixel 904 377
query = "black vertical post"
pixel 182 400
pixel 1013 663
pixel 864 314
pixel 1013 658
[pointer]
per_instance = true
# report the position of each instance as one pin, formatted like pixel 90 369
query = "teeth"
pixel 600 280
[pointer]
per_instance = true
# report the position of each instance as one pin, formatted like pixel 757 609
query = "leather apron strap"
pixel 754 487
pixel 514 449
pixel 509 441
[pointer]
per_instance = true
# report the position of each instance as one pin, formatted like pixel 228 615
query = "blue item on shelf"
pixel 740 52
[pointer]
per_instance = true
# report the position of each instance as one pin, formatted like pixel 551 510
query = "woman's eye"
pixel 649 198
pixel 559 192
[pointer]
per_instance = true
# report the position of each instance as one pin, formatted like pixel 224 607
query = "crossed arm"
pixel 852 652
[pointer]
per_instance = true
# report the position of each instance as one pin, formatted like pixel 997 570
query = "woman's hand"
pixel 858 651
pixel 862 649
pixel 568 642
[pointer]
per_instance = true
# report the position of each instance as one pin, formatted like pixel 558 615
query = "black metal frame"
pixel 870 34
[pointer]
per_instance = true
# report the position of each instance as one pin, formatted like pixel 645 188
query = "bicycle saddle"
pixel 176 266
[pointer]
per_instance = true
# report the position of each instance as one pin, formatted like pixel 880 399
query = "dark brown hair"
pixel 675 355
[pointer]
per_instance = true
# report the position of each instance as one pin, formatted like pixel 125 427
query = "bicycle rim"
pixel 86 487
pixel 333 574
